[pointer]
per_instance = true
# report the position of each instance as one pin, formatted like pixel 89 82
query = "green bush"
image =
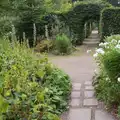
pixel 109 23
pixel 63 44
pixel 30 86
pixel 44 46
pixel 107 82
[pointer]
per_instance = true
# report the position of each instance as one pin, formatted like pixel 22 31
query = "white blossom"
pixel 113 41
pixel 106 44
pixel 101 44
pixel 95 55
pixel 100 51
pixel 107 79
pixel 88 51
pixel 119 79
pixel 117 46
pixel 118 41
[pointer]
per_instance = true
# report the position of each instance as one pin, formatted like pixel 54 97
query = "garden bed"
pixel 30 86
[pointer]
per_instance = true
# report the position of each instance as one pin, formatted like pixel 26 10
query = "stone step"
pixel 93 37
pixel 89 39
pixel 90 42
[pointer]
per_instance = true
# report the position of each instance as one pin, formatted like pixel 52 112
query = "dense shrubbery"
pixel 62 44
pixel 30 86
pixel 107 84
pixel 82 13
pixel 110 24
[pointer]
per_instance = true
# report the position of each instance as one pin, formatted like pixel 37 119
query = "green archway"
pixel 81 14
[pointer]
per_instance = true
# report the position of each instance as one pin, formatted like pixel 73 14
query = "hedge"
pixel 110 22
pixel 82 13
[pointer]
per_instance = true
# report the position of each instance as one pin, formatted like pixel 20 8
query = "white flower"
pixel 95 55
pixel 101 44
pixel 113 41
pixel 88 51
pixel 100 51
pixel 119 79
pixel 117 46
pixel 107 79
pixel 118 41
pixel 106 44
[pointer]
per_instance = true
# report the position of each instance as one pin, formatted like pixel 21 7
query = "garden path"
pixel 80 67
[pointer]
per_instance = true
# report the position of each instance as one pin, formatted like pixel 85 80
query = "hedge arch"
pixel 81 14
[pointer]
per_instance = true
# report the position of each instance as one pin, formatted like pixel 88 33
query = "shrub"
pixel 109 22
pixel 63 44
pixel 30 86
pixel 44 46
pixel 107 83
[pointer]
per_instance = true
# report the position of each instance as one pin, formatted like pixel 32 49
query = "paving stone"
pixel 89 88
pixel 90 102
pixel 102 115
pixel 75 94
pixel 76 86
pixel 75 102
pixel 89 94
pixel 88 83
pixel 79 114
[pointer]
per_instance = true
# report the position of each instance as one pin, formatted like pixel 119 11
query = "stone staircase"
pixel 93 39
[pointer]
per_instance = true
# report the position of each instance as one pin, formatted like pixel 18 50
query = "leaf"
pixel 41 73
pixel 3 105
pixel 1 83
pixel 40 96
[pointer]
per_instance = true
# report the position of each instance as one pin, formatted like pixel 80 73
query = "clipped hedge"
pixel 110 22
pixel 81 13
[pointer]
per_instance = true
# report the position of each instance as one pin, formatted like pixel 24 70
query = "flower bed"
pixel 107 82
pixel 30 86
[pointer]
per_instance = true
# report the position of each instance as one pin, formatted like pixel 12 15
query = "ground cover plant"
pixel 30 86
pixel 107 82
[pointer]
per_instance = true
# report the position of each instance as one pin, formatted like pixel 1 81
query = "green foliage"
pixel 81 13
pixel 109 23
pixel 44 46
pixel 107 82
pixel 30 86
pixel 63 44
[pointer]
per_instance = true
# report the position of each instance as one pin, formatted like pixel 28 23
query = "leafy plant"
pixel 107 82
pixel 44 46
pixel 63 44
pixel 24 89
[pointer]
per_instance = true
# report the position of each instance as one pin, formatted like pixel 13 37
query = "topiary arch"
pixel 80 14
